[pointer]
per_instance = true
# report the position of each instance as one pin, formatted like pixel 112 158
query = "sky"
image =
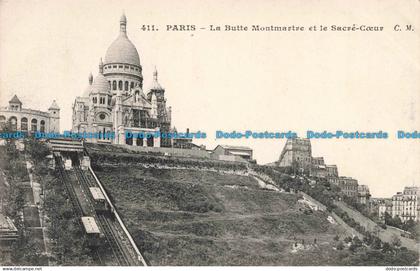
pixel 236 81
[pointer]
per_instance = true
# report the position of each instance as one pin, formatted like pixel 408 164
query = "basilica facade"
pixel 115 101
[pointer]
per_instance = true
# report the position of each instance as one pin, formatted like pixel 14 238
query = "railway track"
pixel 113 241
pixel 65 179
pixel 104 222
pixel 87 182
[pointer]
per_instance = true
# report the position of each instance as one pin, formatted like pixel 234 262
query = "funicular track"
pixel 65 179
pixel 113 241
pixel 104 221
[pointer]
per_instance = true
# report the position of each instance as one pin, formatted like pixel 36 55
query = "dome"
pixel 122 50
pixel 156 85
pixel 100 84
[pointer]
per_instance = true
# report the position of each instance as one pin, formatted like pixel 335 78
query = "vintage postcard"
pixel 209 133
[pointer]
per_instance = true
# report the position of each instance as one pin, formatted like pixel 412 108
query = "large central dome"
pixel 122 50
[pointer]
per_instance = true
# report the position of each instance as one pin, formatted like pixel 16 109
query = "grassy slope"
pixel 189 217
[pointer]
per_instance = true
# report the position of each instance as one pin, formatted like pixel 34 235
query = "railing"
pixel 133 244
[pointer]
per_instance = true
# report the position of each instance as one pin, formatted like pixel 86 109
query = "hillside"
pixel 196 217
pixel 187 217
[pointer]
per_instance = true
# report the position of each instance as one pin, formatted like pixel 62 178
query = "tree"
pixel 340 245
pixel 38 150
pixel 395 241
pixel 376 243
pixel 386 248
pixel 355 244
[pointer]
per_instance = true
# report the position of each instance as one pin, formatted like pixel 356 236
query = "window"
pixel 42 126
pixel 13 123
pixel 120 85
pixel 114 85
pixel 126 86
pixel 24 124
pixel 2 121
pixel 94 100
pixel 102 116
pixel 34 124
pixel 132 85
pixel 120 66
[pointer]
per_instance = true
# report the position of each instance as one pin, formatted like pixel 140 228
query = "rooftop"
pixel 90 225
pixel 6 224
pixel 236 147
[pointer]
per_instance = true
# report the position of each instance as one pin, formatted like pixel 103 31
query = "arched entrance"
pixel 13 123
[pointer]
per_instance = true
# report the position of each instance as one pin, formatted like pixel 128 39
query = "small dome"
pixel 100 84
pixel 155 83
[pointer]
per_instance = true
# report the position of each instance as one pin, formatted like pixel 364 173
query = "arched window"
pixel 24 124
pixel 126 86
pixel 139 141
pixel 42 126
pixel 2 121
pixel 34 124
pixel 13 123
pixel 114 85
pixel 132 84
pixel 120 85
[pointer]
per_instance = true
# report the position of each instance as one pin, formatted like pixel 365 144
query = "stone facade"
pixel 364 194
pixel 115 102
pixel 348 185
pixel 382 206
pixel 28 120
pixel 406 205
pixel 297 151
